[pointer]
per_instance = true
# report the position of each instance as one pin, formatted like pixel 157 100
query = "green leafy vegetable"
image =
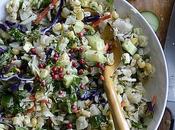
pixel 16 34
pixel 16 108
pixel 72 42
pixel 138 125
pixel 95 121
pixel 44 3
pixel 73 97
pixel 6 101
pixel 110 1
pixel 34 35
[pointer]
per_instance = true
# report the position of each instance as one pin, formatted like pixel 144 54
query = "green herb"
pixel 16 109
pixel 95 121
pixel 16 35
pixel 34 35
pixel 110 1
pixel 72 42
pixel 138 125
pixel 34 2
pixel 19 95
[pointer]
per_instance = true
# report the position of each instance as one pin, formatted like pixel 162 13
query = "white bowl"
pixel 158 84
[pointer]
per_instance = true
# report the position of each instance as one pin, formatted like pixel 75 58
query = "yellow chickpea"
pixel 115 15
pixel 34 122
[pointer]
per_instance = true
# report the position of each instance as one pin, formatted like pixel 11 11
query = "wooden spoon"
pixel 116 110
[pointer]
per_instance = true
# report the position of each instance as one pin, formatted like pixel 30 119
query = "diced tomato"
pixel 154 100
pixel 123 103
pixel 54 2
pixel 103 18
pixel 44 101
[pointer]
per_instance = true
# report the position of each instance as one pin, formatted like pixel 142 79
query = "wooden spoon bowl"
pixel 120 122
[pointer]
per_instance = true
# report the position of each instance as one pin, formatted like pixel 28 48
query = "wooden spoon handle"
pixel 117 115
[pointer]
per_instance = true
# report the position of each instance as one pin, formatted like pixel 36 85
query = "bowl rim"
pixel 161 50
pixel 162 53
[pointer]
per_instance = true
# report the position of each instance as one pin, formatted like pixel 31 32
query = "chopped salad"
pixel 52 58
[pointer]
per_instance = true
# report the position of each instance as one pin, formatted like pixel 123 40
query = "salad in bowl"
pixel 52 58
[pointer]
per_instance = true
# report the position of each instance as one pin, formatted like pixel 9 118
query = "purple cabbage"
pixel 14 87
pixel 90 94
pixel 8 25
pixel 3 26
pixel 2 50
pixel 57 18
pixel 28 87
pixel 150 107
pixel 18 26
pixel 91 18
pixel 15 76
pixel 48 53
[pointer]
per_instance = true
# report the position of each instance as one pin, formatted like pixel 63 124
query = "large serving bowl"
pixel 158 84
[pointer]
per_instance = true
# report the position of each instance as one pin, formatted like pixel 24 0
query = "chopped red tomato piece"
pixel 44 101
pixel 154 100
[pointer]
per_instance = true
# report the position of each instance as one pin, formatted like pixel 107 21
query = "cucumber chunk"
pixel 96 42
pixel 129 47
pixel 94 56
pixel 152 19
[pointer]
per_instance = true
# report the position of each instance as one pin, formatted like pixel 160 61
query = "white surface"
pixel 158 85
pixel 2 9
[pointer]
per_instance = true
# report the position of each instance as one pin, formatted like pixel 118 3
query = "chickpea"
pixel 141 63
pixel 34 122
pixel 115 15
